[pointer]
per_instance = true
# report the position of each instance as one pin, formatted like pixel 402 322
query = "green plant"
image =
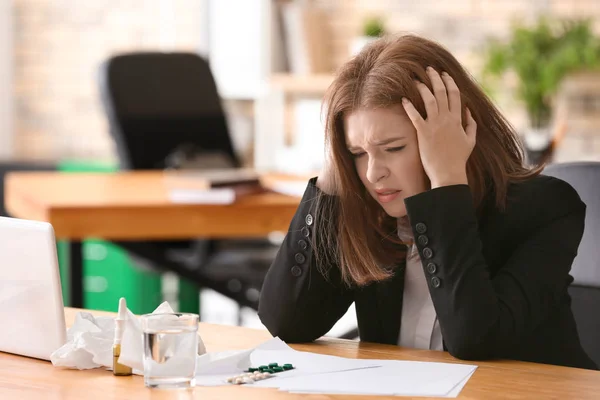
pixel 374 27
pixel 541 56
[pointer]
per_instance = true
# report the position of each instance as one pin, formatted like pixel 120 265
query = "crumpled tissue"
pixel 234 361
pixel 90 342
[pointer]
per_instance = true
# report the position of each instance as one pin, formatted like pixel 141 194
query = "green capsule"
pixel 288 366
pixel 277 369
pixel 273 365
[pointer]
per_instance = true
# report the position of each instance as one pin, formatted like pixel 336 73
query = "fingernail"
pixel 429 69
pixel 445 73
pixel 405 100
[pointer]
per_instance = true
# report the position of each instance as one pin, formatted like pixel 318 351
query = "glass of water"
pixel 170 349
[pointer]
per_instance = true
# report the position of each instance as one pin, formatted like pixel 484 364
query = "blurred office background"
pixel 272 61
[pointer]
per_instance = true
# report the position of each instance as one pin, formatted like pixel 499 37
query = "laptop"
pixel 31 306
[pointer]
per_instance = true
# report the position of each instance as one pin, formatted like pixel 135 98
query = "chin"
pixel 395 210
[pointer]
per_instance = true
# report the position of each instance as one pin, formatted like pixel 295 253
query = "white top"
pixel 420 328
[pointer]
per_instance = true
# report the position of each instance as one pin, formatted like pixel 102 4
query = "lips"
pixel 387 195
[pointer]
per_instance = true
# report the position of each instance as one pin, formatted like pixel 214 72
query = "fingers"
pixel 445 96
pixel 453 95
pixel 439 89
pixel 431 106
pixel 471 128
pixel 413 114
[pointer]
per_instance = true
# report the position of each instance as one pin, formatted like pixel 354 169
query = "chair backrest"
pixel 159 104
pixel 585 179
pixel 585 290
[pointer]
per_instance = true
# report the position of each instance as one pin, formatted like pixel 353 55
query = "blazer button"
pixel 423 240
pixel 436 282
pixel 302 244
pixel 299 257
pixel 296 271
pixel 431 268
pixel 305 232
pixel 421 228
pixel 308 219
pixel 427 253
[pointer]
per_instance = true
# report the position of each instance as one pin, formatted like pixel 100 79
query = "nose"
pixel 376 170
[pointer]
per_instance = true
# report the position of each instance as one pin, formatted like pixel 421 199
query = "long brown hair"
pixel 354 231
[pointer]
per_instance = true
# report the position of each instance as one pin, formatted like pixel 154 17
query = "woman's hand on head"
pixel 444 145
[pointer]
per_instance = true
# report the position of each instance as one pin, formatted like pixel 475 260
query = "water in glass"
pixel 170 349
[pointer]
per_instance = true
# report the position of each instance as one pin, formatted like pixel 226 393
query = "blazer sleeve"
pixel 481 317
pixel 297 303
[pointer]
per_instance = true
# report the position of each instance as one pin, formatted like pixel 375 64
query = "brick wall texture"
pixel 59 45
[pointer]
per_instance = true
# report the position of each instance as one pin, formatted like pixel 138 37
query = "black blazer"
pixel 498 282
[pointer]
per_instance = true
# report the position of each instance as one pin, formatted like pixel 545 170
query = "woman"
pixel 426 217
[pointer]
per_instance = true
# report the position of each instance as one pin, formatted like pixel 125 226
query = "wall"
pixel 59 45
pixel 6 70
pixel 460 25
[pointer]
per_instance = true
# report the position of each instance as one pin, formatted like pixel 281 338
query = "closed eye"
pixel 394 149
pixel 356 155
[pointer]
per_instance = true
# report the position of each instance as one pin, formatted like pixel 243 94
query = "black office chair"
pixel 585 289
pixel 164 111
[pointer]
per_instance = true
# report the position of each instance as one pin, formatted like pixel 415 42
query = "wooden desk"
pixel 134 206
pixel 28 379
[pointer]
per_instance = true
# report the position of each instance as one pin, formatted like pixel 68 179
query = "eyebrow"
pixel 380 142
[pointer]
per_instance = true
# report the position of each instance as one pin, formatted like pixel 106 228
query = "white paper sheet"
pixel 405 378
pixel 195 196
pixel 456 391
pixel 322 374
pixel 213 369
pixel 306 364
